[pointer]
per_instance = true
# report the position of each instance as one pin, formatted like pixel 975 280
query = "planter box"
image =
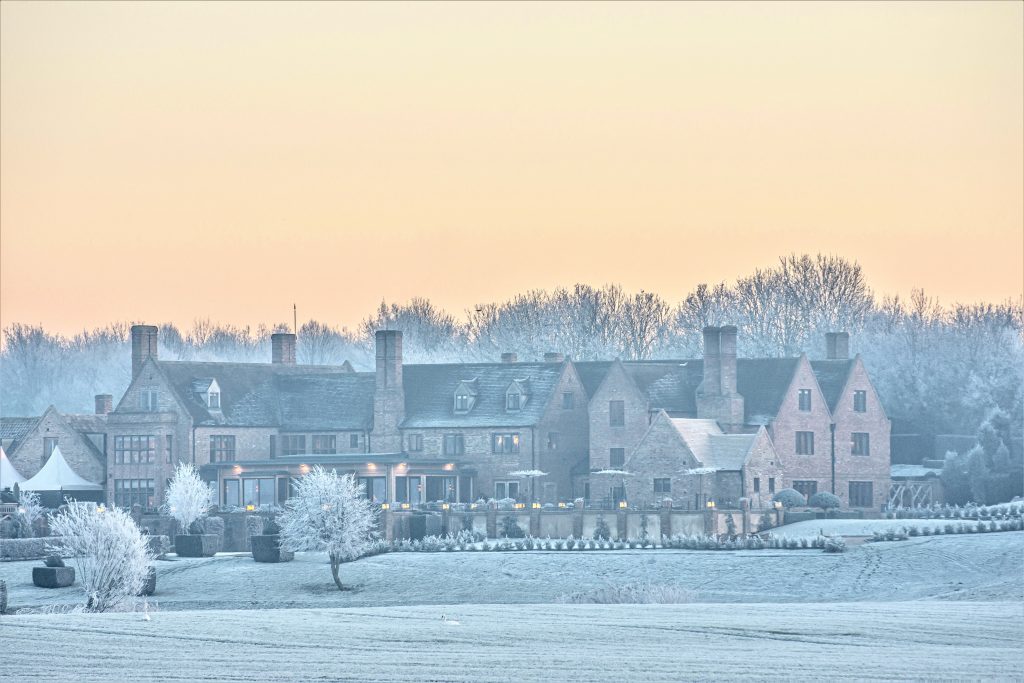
pixel 149 587
pixel 196 545
pixel 53 577
pixel 267 549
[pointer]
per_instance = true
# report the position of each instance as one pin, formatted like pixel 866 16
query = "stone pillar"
pixel 779 517
pixel 388 518
pixel 577 518
pixel 666 518
pixel 622 523
pixel 446 521
pixel 745 516
pixel 535 522
pixel 492 520
pixel 710 522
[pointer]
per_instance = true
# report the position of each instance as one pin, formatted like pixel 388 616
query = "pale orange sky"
pixel 176 161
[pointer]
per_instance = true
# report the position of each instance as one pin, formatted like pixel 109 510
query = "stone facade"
pixel 604 435
pixel 874 467
pixel 83 457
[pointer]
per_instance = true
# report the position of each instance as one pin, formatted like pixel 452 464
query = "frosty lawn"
pixel 863 641
pixel 966 567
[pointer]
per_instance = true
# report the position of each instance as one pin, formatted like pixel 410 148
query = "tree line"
pixel 939 369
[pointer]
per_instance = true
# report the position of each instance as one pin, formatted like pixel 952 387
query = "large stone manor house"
pixel 717 428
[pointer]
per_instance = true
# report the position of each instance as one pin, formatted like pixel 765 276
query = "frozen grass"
pixel 964 567
pixel 863 641
pixel 644 593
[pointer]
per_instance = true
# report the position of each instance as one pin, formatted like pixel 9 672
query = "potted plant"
pixel 266 547
pixel 188 502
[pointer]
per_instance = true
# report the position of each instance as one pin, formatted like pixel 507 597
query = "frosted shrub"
pixel 110 554
pixel 601 529
pixel 31 510
pixel 835 544
pixel 327 513
pixel 644 593
pixel 187 497
pixel 789 498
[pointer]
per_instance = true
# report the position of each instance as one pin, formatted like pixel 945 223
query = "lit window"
pixel 860 401
pixel 804 399
pixel 462 403
pixel 505 443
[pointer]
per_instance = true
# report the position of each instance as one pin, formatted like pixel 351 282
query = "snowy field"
pixel 947 607
pixel 965 567
pixel 859 527
pixel 863 641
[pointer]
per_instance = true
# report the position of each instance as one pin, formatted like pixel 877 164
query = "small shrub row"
pixel 980 527
pixel 15 549
pixel 464 542
pixel 969 511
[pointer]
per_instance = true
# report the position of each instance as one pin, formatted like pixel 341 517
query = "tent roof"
pixel 57 475
pixel 8 475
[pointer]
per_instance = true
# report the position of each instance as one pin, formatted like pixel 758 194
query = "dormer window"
pixel 465 396
pixel 214 401
pixel 207 391
pixel 516 395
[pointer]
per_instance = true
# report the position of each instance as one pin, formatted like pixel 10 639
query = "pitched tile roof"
pixel 14 428
pixel 711 446
pixel 300 397
pixel 430 393
pixel 832 376
pixel 671 385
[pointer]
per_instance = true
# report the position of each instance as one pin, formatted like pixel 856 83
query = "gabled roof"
pixel 430 389
pixel 711 446
pixel 832 376
pixel 671 385
pixel 299 397
pixel 15 428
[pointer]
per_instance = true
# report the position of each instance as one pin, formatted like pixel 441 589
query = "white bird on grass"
pixel 449 622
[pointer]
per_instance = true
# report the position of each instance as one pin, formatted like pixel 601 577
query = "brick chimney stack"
pixel 837 345
pixel 389 395
pixel 508 358
pixel 717 397
pixel 554 357
pixel 144 345
pixel 104 404
pixel 282 348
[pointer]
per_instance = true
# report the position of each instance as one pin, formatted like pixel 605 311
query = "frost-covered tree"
pixel 30 508
pixel 110 553
pixel 328 513
pixel 790 498
pixel 187 498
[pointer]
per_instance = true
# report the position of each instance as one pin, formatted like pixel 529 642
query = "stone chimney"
pixel 554 357
pixel 282 348
pixel 717 396
pixel 144 345
pixel 837 345
pixel 389 395
pixel 508 358
pixel 104 404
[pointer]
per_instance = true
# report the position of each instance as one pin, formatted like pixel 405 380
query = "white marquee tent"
pixel 57 475
pixel 8 475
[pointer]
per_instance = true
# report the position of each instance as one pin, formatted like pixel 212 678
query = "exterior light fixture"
pixel 778 505
pixel 449 466
pixel 445 506
pixel 520 506
pixel 622 504
pixel 371 466
pixel 250 507
pixel 405 506
pixel 536 506
pixel 384 506
pixel 472 506
pixel 101 508
pixel 561 505
pixel 711 505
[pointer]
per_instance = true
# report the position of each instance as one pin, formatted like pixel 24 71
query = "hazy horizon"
pixel 174 162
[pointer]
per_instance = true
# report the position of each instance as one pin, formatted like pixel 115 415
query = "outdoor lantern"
pixel 778 505
pixel 101 509
pixel 561 505
pixel 405 506
pixel 520 506
pixel 384 506
pixel 472 506
pixel 711 504
pixel 622 503
pixel 250 507
pixel 445 506
pixel 536 506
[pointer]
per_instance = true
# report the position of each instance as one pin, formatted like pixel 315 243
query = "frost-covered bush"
pixel 644 593
pixel 327 513
pixel 766 522
pixel 30 509
pixel 790 498
pixel 110 553
pixel 824 500
pixel 835 544
pixel 187 497
pixel 12 549
pixel 510 527
pixel 601 529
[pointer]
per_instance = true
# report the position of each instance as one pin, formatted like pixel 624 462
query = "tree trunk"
pixel 335 568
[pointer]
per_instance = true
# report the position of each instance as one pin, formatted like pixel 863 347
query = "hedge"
pixel 14 549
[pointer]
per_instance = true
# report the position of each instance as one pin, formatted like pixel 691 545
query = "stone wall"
pixel 28 458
